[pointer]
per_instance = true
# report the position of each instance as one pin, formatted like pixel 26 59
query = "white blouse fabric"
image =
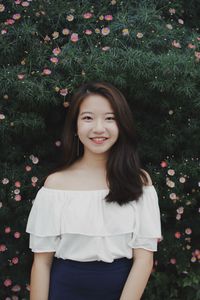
pixel 82 226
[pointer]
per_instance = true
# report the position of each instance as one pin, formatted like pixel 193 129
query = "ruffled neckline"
pixel 56 212
pixel 86 191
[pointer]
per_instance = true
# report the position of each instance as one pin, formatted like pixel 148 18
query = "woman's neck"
pixel 93 162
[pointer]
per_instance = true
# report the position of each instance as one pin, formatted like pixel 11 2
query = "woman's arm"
pixel 40 275
pixel 139 275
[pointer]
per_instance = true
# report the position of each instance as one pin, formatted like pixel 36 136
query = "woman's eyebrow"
pixel 89 112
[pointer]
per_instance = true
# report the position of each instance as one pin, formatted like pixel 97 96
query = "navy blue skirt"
pixel 93 280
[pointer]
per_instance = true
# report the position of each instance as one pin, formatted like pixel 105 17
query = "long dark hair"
pixel 124 175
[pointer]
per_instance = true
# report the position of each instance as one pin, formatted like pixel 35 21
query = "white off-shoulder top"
pixel 82 226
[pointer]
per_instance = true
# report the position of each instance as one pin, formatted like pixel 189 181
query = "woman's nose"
pixel 99 126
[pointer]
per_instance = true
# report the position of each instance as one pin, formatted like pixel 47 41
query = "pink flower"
pixel 105 31
pixel 170 183
pixel 182 179
pixel 21 76
pixel 70 18
pixel 17 191
pixel 163 164
pixel 2 248
pixel 47 38
pixel 173 261
pixel 4 31
pixel 177 235
pixel 2 116
pixel 188 231
pixel 7 230
pixel 176 44
pixel 34 179
pixel 63 92
pixel 56 51
pixel 180 210
pixel 180 21
pixel 74 37
pixel 15 260
pixel 17 235
pixel 35 160
pixel 197 55
pixel 172 11
pixel 16 288
pixel 171 172
pixel 58 143
pixel 28 168
pixel 9 22
pixel 191 46
pixel 7 282
pixel 46 71
pixel 25 4
pixel 87 15
pixel 88 31
pixel 105 48
pixel 65 31
pixel 17 1
pixel 172 196
pixel 54 60
pixel 18 184
pixel 16 16
pixel 108 17
pixel 18 198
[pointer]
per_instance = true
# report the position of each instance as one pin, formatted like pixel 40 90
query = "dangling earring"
pixel 77 152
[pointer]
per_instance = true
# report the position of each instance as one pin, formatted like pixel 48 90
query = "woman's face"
pixel 96 125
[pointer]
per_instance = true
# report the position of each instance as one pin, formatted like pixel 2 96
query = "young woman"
pixel 95 223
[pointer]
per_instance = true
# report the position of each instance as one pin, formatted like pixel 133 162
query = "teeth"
pixel 99 139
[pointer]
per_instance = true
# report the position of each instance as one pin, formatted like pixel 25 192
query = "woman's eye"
pixel 87 118
pixel 90 118
pixel 110 118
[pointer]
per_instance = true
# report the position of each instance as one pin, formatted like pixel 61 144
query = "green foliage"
pixel 151 51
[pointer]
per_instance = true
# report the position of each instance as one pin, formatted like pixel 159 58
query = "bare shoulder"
pixel 65 179
pixel 52 180
pixel 148 178
pixel 57 180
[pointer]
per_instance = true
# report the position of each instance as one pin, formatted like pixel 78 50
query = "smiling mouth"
pixel 98 140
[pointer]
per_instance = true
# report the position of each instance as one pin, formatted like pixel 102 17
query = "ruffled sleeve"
pixel 43 223
pixel 147 229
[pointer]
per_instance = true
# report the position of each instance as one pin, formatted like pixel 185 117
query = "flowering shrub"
pixel 149 50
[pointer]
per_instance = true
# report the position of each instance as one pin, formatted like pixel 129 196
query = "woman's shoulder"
pixel 65 179
pixel 57 180
pixel 52 180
